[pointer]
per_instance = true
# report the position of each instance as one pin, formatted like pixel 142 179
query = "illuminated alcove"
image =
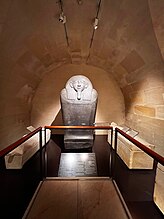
pixel 46 102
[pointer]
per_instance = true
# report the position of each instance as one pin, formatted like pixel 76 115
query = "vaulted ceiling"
pixel 32 35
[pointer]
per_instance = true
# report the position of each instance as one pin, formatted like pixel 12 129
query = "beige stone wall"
pixel 17 89
pixel 127 44
pixel 20 72
pixel 143 92
pixel 46 103
pixel 140 72
pixel 157 15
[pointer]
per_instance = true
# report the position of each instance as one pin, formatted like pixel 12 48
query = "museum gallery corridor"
pixel 107 57
pixel 136 187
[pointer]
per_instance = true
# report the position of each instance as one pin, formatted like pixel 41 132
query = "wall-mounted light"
pixel 62 18
pixel 95 25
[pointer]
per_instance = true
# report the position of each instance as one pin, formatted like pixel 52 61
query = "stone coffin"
pixel 19 156
pixel 78 105
pixel 81 114
pixel 159 188
pixel 131 155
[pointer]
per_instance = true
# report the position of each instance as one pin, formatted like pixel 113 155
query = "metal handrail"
pixel 79 127
pixel 74 127
pixel 14 145
pixel 147 150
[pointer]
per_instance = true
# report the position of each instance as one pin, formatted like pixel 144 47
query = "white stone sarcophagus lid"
pixel 78 104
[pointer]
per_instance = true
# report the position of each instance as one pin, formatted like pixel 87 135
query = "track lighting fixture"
pixel 62 18
pixel 95 25
pixel 79 2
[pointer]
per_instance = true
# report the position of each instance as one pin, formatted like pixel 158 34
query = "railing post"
pixel 45 136
pixel 115 153
pixel 40 147
pixel 111 136
pixel 115 140
pixel 110 155
pixel 45 154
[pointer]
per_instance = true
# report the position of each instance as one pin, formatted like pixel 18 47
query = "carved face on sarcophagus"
pixel 78 104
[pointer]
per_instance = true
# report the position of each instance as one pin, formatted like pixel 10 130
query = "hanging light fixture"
pixel 95 25
pixel 62 18
pixel 79 2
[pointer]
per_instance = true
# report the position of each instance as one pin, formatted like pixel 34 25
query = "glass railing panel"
pixel 19 178
pixel 136 183
pixel 89 161
pixel 137 176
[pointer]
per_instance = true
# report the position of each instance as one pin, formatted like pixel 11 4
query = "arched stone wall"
pixel 128 44
pixel 46 103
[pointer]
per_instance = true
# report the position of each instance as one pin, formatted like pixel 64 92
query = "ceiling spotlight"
pixel 79 2
pixel 95 25
pixel 62 18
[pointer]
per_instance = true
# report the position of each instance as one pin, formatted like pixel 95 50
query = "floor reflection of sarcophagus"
pixel 78 104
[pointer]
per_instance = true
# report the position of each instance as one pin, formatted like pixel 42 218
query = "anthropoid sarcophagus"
pixel 78 104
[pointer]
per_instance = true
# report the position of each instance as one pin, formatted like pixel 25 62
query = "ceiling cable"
pixel 63 19
pixel 95 26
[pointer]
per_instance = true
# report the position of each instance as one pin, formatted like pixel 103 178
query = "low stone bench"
pixel 159 188
pixel 131 155
pixel 19 156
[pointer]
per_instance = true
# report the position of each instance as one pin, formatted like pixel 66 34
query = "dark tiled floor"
pixel 18 186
